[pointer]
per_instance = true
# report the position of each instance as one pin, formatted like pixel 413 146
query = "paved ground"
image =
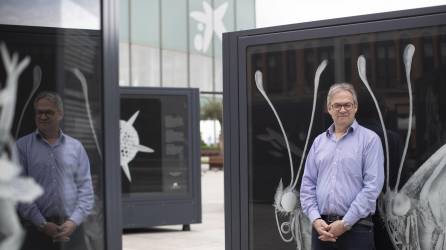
pixel 206 236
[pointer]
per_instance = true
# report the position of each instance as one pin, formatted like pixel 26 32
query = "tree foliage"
pixel 212 110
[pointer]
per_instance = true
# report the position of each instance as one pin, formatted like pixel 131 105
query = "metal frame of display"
pixel 235 101
pixel 112 171
pixel 170 209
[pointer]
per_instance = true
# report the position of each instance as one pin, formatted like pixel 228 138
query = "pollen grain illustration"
pixel 286 200
pixel 130 144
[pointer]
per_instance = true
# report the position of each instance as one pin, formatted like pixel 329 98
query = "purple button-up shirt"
pixel 343 176
pixel 63 170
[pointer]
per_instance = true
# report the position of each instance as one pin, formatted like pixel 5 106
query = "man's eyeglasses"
pixel 347 106
pixel 47 113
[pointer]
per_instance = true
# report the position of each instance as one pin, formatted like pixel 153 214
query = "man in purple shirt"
pixel 60 165
pixel 343 177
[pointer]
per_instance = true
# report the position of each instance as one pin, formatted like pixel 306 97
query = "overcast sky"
pixel 278 12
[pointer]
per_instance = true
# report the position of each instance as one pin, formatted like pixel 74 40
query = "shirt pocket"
pixel 352 162
pixel 40 170
pixel 70 165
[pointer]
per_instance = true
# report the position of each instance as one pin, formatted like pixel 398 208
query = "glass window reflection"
pixel 60 146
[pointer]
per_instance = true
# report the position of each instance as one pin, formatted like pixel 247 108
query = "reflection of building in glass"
pixel 172 43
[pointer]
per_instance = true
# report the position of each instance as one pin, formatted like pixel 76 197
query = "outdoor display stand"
pixel 160 157
pixel 275 87
pixel 43 52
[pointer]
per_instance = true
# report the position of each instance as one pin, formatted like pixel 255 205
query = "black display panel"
pixel 276 84
pixel 161 123
pixel 68 62
pixel 288 81
pixel 160 156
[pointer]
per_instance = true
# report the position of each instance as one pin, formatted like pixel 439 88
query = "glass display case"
pixel 66 49
pixel 275 86
pixel 160 157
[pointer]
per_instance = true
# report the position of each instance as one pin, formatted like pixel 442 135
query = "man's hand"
pixel 65 230
pixel 337 228
pixel 323 229
pixel 50 229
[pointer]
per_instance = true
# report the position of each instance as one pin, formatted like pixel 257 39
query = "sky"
pixel 278 12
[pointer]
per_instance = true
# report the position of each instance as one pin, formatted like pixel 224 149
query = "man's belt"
pixel 367 221
pixel 331 218
pixel 56 219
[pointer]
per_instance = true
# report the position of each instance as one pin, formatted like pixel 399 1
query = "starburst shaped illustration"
pixel 130 144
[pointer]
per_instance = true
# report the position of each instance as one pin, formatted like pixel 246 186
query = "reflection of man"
pixel 60 165
pixel 343 177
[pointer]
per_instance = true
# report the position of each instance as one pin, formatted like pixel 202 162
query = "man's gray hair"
pixel 50 96
pixel 337 87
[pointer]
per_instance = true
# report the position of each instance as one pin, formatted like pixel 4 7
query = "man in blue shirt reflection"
pixel 60 165
pixel 343 177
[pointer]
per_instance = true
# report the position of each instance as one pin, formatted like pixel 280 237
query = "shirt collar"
pixel 353 127
pixel 60 139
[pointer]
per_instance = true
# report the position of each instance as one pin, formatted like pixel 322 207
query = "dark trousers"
pixel 37 240
pixel 359 237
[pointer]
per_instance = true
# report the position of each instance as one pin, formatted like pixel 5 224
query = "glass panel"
pixel 124 64
pixel 174 68
pixel 174 43
pixel 246 14
pixel 200 27
pixel 78 14
pixel 145 22
pixel 145 65
pixel 223 22
pixel 201 72
pixel 59 146
pixel 201 45
pixel 158 125
pixel 218 75
pixel 124 43
pixel 288 80
pixel 174 24
pixel 145 39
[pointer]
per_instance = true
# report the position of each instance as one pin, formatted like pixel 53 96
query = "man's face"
pixel 47 116
pixel 342 109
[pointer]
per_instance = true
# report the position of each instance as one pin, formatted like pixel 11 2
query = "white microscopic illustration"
pixel 130 143
pixel 13 187
pixel 297 226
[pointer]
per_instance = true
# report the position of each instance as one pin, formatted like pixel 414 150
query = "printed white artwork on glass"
pixel 297 226
pixel 84 86
pixel 130 143
pixel 37 80
pixel 414 216
pixel 13 187
pixel 209 21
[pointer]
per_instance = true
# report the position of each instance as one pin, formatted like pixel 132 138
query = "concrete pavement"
pixel 209 235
